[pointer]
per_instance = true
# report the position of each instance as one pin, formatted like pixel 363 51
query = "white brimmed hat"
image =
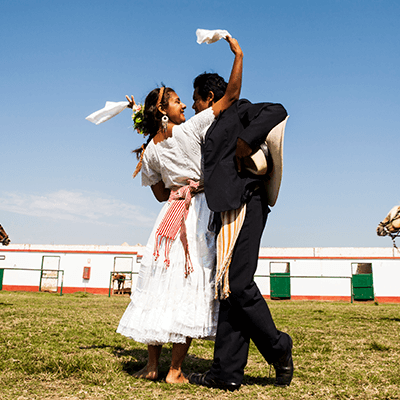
pixel 258 163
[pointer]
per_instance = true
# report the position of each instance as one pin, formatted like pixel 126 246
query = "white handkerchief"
pixel 204 35
pixel 111 109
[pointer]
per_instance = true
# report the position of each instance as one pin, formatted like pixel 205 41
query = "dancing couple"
pixel 215 210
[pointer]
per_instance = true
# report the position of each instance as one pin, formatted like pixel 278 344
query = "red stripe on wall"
pixel 320 298
pixel 88 290
pixel 69 251
pixel 20 288
pixel 328 258
pixel 66 289
pixel 379 299
pixel 387 299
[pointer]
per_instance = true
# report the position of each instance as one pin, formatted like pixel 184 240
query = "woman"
pixel 174 298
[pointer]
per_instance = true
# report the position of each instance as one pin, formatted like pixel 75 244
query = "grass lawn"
pixel 65 347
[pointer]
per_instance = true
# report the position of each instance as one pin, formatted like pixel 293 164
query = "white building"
pixel 282 273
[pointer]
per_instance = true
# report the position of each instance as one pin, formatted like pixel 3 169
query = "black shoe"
pixel 205 380
pixel 284 368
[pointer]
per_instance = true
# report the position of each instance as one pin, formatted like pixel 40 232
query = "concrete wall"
pixel 332 262
pixel 315 273
pixel 102 260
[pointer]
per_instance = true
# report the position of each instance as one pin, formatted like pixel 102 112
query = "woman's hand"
pixel 131 101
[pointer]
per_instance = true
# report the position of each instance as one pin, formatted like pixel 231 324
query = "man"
pixel 239 197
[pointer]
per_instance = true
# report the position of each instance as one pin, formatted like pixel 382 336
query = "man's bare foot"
pixel 176 376
pixel 148 372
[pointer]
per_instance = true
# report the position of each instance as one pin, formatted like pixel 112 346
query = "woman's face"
pixel 176 109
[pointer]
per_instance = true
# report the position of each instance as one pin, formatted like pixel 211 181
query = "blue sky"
pixel 334 65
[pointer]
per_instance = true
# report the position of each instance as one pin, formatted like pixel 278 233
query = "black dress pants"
pixel 245 315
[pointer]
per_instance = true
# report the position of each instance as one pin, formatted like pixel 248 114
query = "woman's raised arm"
pixel 235 80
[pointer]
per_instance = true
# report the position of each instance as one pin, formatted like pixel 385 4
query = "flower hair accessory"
pixel 137 117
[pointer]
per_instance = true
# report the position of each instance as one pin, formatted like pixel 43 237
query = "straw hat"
pixel 258 165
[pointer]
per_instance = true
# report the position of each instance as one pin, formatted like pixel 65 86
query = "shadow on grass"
pixel 260 381
pixel 100 346
pixel 140 355
pixel 192 363
pixel 138 360
pixel 394 319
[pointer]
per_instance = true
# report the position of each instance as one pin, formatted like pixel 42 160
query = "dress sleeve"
pixel 150 176
pixel 197 125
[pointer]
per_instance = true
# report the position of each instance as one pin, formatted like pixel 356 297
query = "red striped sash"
pixel 173 221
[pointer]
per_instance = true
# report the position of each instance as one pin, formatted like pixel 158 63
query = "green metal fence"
pixel 112 273
pixel 40 278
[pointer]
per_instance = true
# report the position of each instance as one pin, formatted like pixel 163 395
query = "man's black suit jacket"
pixel 224 188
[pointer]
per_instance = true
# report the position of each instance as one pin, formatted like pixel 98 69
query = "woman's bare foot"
pixel 148 372
pixel 176 376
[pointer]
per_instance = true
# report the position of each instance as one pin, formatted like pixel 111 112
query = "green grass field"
pixel 65 347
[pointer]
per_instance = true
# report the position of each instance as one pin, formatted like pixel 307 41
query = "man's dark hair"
pixel 206 82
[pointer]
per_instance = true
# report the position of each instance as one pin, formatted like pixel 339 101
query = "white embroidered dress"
pixel 165 306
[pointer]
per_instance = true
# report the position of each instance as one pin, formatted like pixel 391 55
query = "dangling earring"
pixel 164 123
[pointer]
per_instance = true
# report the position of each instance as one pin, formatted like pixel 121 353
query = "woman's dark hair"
pixel 151 119
pixel 207 82
pixel 151 115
